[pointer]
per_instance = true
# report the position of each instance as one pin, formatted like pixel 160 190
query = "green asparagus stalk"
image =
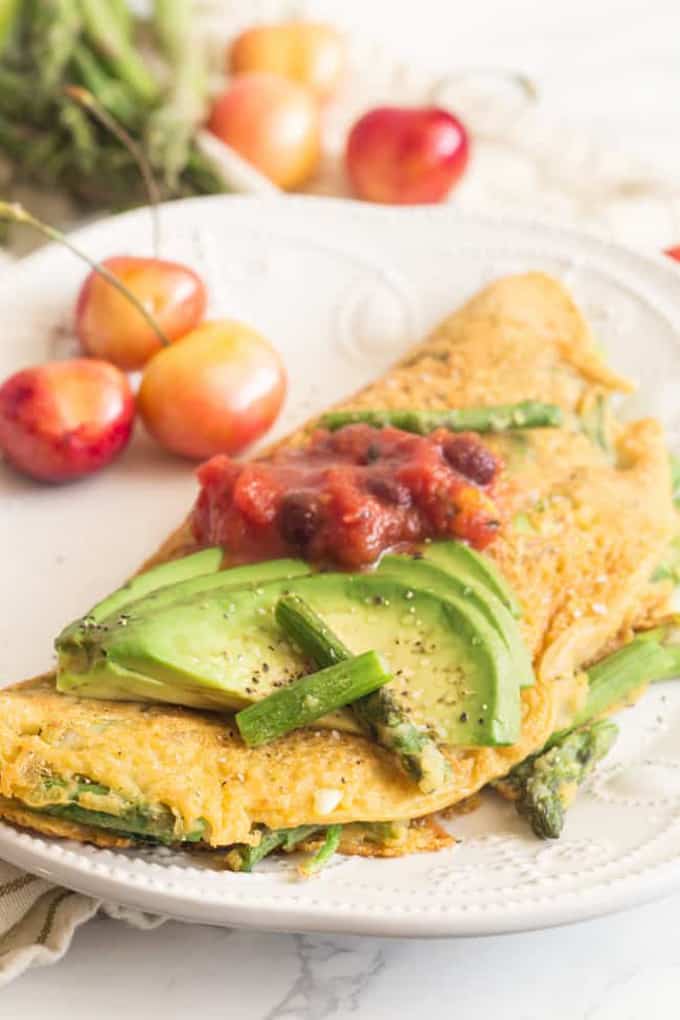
pixel 83 143
pixel 140 821
pixel 86 100
pixel 528 414
pixel 51 44
pixel 112 94
pixel 306 629
pixel 171 127
pixel 202 174
pixel 544 783
pixel 383 719
pixel 9 16
pixel 378 714
pixel 54 31
pixel 319 860
pixel 15 99
pixel 107 35
pixel 39 152
pixel 244 858
pixel 652 656
pixel 311 697
pixel 121 11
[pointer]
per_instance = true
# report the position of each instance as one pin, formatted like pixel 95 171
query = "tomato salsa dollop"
pixel 347 496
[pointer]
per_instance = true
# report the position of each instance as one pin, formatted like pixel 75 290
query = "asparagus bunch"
pixel 545 783
pixel 47 46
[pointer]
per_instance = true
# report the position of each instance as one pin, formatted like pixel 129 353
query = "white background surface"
pixel 613 68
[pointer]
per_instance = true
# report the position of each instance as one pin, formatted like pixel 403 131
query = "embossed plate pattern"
pixel 342 289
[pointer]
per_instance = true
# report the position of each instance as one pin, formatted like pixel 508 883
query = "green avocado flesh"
pixel 73 642
pixel 221 648
pixel 249 576
pixel 207 561
pixel 449 584
pixel 462 561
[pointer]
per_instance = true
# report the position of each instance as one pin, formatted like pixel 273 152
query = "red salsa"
pixel 349 495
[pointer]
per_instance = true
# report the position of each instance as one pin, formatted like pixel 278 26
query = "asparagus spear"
pixel 9 15
pixel 106 33
pixel 244 858
pixel 41 154
pixel 311 697
pixel 54 30
pixel 87 101
pixel 544 783
pixel 82 137
pixel 529 414
pixel 112 94
pixel 171 127
pixel 134 822
pixel 319 860
pixel 140 821
pixel 378 713
pixel 120 9
pixel 652 656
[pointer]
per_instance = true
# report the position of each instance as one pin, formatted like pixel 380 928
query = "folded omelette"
pixel 583 528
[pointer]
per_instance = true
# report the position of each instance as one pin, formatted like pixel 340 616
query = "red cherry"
pixel 108 324
pixel 65 419
pixel 674 253
pixel 406 156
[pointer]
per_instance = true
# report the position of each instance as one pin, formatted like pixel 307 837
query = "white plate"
pixel 341 289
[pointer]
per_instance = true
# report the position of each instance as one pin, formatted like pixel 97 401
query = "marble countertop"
pixel 620 968
pixel 612 67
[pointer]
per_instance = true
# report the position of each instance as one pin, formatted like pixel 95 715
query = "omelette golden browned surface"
pixel 593 526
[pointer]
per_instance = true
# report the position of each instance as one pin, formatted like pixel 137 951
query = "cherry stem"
pixel 14 212
pixel 92 105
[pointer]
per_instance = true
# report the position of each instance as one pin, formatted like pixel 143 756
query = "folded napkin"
pixel 38 920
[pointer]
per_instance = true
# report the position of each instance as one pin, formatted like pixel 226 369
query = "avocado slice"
pixel 459 559
pixel 247 576
pixel 425 575
pixel 207 561
pixel 143 599
pixel 222 649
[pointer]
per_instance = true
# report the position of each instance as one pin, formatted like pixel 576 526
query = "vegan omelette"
pixel 585 515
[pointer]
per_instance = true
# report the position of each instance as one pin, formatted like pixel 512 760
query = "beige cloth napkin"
pixel 38 920
pixel 520 163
